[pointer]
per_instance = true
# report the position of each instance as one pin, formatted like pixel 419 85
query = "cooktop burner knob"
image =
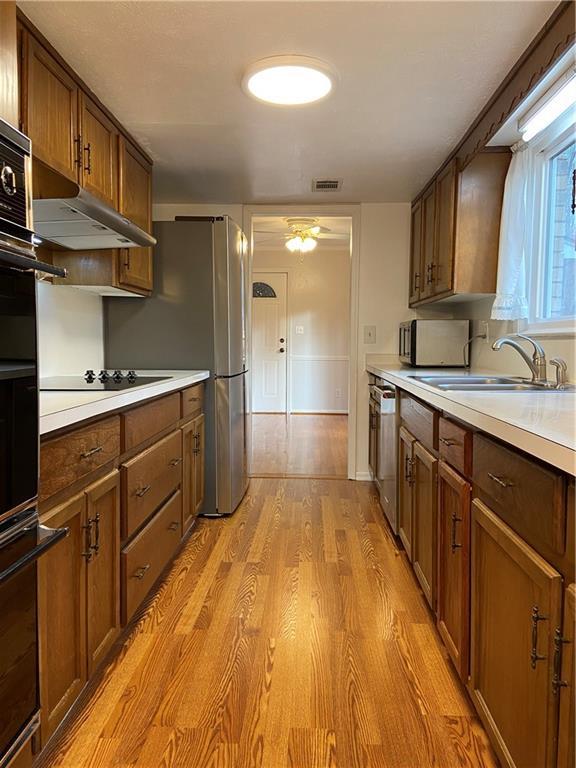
pixel 89 376
pixel 117 376
pixel 103 376
pixel 131 376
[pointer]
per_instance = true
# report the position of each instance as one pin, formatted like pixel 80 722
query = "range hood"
pixel 75 219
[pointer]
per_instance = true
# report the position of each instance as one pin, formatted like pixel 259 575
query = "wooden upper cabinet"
pixel 445 228
pixel 565 681
pixel 416 252
pixel 50 110
pixel 428 242
pixel 135 269
pixel 135 186
pixel 453 606
pixel 516 608
pixel 424 521
pixel 99 145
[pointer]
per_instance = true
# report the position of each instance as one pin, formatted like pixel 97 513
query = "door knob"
pixel 281 349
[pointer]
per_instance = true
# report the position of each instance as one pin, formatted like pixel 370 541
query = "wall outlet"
pixel 485 329
pixel 338 393
pixel 369 334
pixel 300 329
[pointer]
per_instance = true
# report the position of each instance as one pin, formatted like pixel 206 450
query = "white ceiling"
pixel 269 232
pixel 413 75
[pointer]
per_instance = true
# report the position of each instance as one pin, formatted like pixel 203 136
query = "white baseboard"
pixel 320 413
pixel 363 476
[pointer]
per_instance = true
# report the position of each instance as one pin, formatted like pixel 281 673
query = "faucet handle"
pixel 538 349
pixel 561 371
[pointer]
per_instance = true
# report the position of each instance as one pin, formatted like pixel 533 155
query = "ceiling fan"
pixel 302 234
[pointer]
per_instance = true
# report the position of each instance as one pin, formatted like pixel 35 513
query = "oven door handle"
pixel 16 258
pixel 48 538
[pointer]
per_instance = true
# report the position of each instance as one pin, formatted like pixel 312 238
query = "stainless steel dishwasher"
pixel 384 393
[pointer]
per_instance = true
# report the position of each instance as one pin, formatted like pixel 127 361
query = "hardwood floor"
pixel 291 635
pixel 309 445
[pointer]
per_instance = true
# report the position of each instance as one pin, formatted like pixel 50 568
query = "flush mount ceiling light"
pixel 289 80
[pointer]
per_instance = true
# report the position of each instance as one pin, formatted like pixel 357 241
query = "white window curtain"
pixel 511 301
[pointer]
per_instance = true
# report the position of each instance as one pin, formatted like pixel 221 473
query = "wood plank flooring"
pixel 309 445
pixel 291 635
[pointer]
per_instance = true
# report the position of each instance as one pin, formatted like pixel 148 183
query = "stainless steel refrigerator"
pixel 196 318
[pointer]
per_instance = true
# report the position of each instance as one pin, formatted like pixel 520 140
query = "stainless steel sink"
pixel 486 384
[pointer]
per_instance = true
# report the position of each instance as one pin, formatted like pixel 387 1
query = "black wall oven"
pixel 22 539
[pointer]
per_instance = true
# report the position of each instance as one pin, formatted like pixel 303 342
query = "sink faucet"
pixel 537 363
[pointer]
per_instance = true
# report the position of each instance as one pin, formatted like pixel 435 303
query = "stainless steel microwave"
pixel 434 343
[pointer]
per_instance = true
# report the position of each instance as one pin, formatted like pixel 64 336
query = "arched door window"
pixel 263 291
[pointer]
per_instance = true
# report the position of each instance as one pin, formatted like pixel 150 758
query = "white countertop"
pixel 62 409
pixel 542 424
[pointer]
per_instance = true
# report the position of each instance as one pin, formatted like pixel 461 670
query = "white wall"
pixel 318 301
pixel 383 298
pixel 70 330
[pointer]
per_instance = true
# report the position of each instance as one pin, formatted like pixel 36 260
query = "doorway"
pixel 301 305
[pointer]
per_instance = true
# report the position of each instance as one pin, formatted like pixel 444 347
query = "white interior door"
pixel 269 349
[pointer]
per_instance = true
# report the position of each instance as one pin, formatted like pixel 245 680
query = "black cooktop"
pixel 104 381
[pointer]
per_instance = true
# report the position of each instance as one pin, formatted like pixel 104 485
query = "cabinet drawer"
pixel 68 458
pixel 527 495
pixel 455 445
pixel 148 479
pixel 144 559
pixel 192 400
pixel 147 420
pixel 420 420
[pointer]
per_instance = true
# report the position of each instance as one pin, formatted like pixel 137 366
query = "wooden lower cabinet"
pixel 62 615
pixel 193 441
pixel 424 520
pixel 24 758
pixel 373 440
pixel 78 588
pixel 516 607
pixel 566 681
pixel 103 572
pixel 405 482
pixel 453 602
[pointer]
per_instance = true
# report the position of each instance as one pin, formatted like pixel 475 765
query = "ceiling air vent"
pixel 326 185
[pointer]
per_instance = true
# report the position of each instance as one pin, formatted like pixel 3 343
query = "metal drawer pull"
pixel 139 573
pixel 174 526
pixel 91 452
pixel 557 681
pixel 448 442
pixel 534 655
pixel 88 552
pixel 501 482
pixel 141 491
pixel 453 545
pixel 408 474
pixel 175 462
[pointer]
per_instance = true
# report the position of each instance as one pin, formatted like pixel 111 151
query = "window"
pixel 263 291
pixel 552 269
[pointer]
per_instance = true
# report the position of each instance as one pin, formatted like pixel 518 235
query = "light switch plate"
pixel 369 334
pixel 300 329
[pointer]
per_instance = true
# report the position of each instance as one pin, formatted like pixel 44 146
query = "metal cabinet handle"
pixel 142 491
pixel 453 545
pixel 446 441
pixel 139 573
pixel 91 452
pixel 430 273
pixel 96 521
pixel 573 207
pixel 196 449
pixel 78 148
pixel 416 281
pixel 408 473
pixel 175 462
pixel 174 526
pixel 88 551
pixel 557 681
pixel 534 655
pixel 502 482
pixel 88 152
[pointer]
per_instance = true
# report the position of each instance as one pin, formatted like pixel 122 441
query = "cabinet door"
pixel 424 517
pixel 103 577
pixel 453 608
pixel 188 475
pixel 416 252
pixel 566 682
pixel 405 482
pixel 428 242
pixel 99 162
pixel 516 603
pixel 135 186
pixel 62 614
pixel 50 110
pixel 135 268
pixel 445 228
pixel 199 461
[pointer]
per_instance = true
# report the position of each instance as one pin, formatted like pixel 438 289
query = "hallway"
pixel 309 445
pixel 291 635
